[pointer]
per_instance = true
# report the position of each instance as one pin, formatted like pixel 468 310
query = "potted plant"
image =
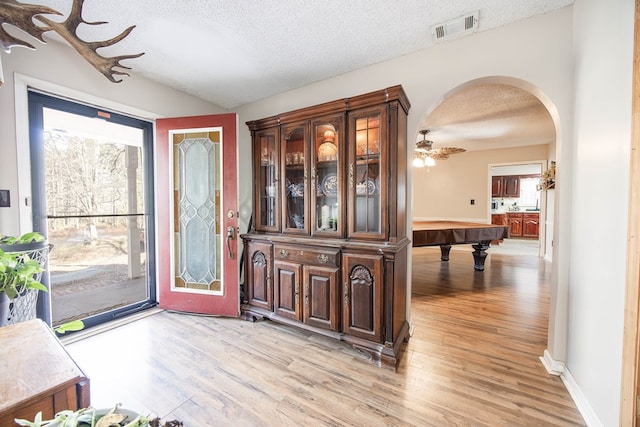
pixel 19 268
pixel 90 417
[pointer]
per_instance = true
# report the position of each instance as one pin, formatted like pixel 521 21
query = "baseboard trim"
pixel 583 405
pixel 555 367
pixel 552 366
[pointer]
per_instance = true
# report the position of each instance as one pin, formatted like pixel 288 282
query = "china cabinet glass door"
pixel 326 176
pixel 367 174
pixel 294 165
pixel 266 152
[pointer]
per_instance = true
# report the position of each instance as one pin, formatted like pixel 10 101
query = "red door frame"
pixel 229 303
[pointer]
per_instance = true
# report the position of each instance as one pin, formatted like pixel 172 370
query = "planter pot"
pixel 5 303
pixel 34 249
pixel 23 306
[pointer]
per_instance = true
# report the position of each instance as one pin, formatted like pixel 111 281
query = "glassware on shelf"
pixel 328 150
pixel 266 181
pixel 367 208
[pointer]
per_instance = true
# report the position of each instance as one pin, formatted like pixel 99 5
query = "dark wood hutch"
pixel 327 251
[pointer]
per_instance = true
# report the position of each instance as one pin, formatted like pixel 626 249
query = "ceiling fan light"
pixel 417 162
pixel 428 161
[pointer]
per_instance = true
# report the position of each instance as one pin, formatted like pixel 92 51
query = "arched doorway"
pixel 495 119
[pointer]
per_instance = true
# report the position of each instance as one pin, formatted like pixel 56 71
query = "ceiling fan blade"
pixel 450 150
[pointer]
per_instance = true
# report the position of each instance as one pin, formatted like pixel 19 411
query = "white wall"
pixel 58 68
pixel 603 31
pixel 445 190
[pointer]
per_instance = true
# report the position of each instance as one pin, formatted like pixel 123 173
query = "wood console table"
pixel 38 374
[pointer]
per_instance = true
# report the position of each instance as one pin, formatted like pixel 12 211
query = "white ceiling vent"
pixel 456 27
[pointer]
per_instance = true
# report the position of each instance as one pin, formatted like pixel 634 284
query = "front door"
pixel 197 214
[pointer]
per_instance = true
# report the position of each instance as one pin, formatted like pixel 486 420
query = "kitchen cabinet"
pixel 328 251
pixel 512 186
pixel 530 224
pixel 497 186
pixel 523 224
pixel 499 219
pixel 515 224
pixel 505 186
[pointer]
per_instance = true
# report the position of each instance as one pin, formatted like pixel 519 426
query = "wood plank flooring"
pixel 472 360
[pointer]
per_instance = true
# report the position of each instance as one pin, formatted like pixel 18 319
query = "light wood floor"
pixel 472 360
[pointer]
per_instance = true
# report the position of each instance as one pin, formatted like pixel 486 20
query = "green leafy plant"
pixel 31 237
pixel 17 269
pixel 90 417
pixel 72 326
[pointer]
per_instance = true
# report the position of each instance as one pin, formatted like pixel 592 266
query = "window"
pixel 529 195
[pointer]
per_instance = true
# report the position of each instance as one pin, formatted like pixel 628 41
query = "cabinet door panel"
pixel 515 225
pixel 368 173
pixel 499 219
pixel 327 175
pixel 266 153
pixel 530 225
pixel 321 304
pixel 512 186
pixel 287 289
pixel 295 201
pixel 259 292
pixel 362 277
pixel 497 183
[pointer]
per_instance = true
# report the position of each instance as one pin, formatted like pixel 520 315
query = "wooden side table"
pixel 37 374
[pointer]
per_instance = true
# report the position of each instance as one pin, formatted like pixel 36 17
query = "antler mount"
pixel 24 16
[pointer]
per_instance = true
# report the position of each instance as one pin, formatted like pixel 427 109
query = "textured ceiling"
pixel 489 116
pixel 234 52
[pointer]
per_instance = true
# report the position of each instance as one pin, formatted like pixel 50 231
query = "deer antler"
pixel 21 16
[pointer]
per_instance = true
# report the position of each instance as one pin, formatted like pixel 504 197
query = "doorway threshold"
pixel 107 326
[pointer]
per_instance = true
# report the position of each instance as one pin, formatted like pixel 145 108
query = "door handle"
pixel 231 234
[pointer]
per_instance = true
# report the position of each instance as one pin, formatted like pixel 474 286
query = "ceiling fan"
pixel 425 148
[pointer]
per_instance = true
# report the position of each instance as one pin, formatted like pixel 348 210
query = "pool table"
pixel 447 233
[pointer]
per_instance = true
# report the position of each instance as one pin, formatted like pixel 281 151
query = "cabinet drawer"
pixel 307 255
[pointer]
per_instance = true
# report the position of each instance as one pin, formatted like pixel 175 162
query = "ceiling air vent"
pixel 455 27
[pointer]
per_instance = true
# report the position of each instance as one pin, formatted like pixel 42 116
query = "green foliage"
pixel 73 326
pixel 17 269
pixel 89 417
pixel 31 237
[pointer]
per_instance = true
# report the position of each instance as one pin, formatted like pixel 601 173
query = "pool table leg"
pixel 444 252
pixel 480 253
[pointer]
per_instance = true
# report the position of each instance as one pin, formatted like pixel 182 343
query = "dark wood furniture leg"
pixel 444 252
pixel 479 254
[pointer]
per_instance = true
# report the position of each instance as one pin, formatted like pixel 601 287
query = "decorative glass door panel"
pixel 295 180
pixel 196 202
pixel 267 186
pixel 326 176
pixel 196 159
pixel 366 176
